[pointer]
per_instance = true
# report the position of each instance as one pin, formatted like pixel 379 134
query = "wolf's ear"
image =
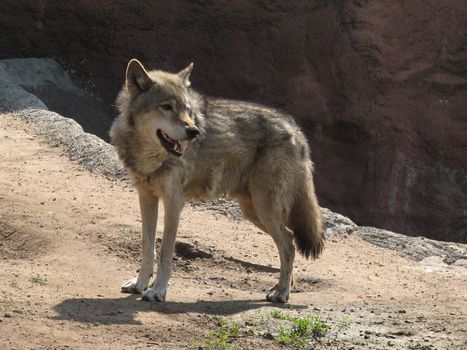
pixel 185 75
pixel 137 79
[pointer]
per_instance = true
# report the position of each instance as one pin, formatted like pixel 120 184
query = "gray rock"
pixel 416 248
pixel 34 73
pixel 90 151
pixel 336 224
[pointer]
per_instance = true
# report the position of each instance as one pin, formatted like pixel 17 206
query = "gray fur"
pixel 256 155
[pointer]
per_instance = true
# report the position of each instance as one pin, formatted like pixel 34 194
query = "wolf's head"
pixel 157 104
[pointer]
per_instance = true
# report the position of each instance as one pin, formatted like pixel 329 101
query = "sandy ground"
pixel 69 239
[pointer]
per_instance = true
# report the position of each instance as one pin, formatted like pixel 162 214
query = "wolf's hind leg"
pixel 149 206
pixel 283 238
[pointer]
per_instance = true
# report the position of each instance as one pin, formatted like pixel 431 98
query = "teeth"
pixel 178 146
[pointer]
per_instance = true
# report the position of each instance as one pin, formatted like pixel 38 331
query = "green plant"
pixel 345 322
pixel 14 284
pixel 234 330
pixel 220 338
pixel 38 279
pixel 278 314
pixel 301 329
pixel 10 305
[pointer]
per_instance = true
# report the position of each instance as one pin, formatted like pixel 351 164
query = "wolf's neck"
pixel 148 156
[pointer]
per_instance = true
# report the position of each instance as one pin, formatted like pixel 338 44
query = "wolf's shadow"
pixel 124 310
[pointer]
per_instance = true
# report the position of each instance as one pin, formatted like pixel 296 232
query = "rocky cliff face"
pixel 379 87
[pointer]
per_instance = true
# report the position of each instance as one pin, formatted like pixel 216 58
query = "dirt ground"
pixel 69 239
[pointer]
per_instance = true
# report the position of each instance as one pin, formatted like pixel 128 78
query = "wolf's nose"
pixel 192 132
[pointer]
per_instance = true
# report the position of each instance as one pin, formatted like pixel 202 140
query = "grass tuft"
pixel 14 284
pixel 300 330
pixel 38 279
pixel 345 322
pixel 220 338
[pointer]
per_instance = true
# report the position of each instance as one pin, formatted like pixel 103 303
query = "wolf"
pixel 178 144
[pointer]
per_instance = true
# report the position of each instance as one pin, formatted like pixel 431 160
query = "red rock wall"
pixel 379 86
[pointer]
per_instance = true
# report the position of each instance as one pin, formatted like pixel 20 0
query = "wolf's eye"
pixel 167 107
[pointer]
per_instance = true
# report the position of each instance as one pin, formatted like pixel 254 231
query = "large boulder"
pixel 380 87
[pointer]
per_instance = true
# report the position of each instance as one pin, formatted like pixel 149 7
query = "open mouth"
pixel 172 146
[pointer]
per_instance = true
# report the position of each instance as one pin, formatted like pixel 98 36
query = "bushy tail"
pixel 306 223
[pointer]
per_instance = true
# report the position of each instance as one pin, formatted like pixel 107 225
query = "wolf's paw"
pixel 278 295
pixel 134 286
pixel 154 295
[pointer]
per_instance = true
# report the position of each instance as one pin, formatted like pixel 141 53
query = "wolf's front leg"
pixel 148 205
pixel 173 205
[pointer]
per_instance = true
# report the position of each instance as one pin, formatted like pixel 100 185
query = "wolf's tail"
pixel 306 223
